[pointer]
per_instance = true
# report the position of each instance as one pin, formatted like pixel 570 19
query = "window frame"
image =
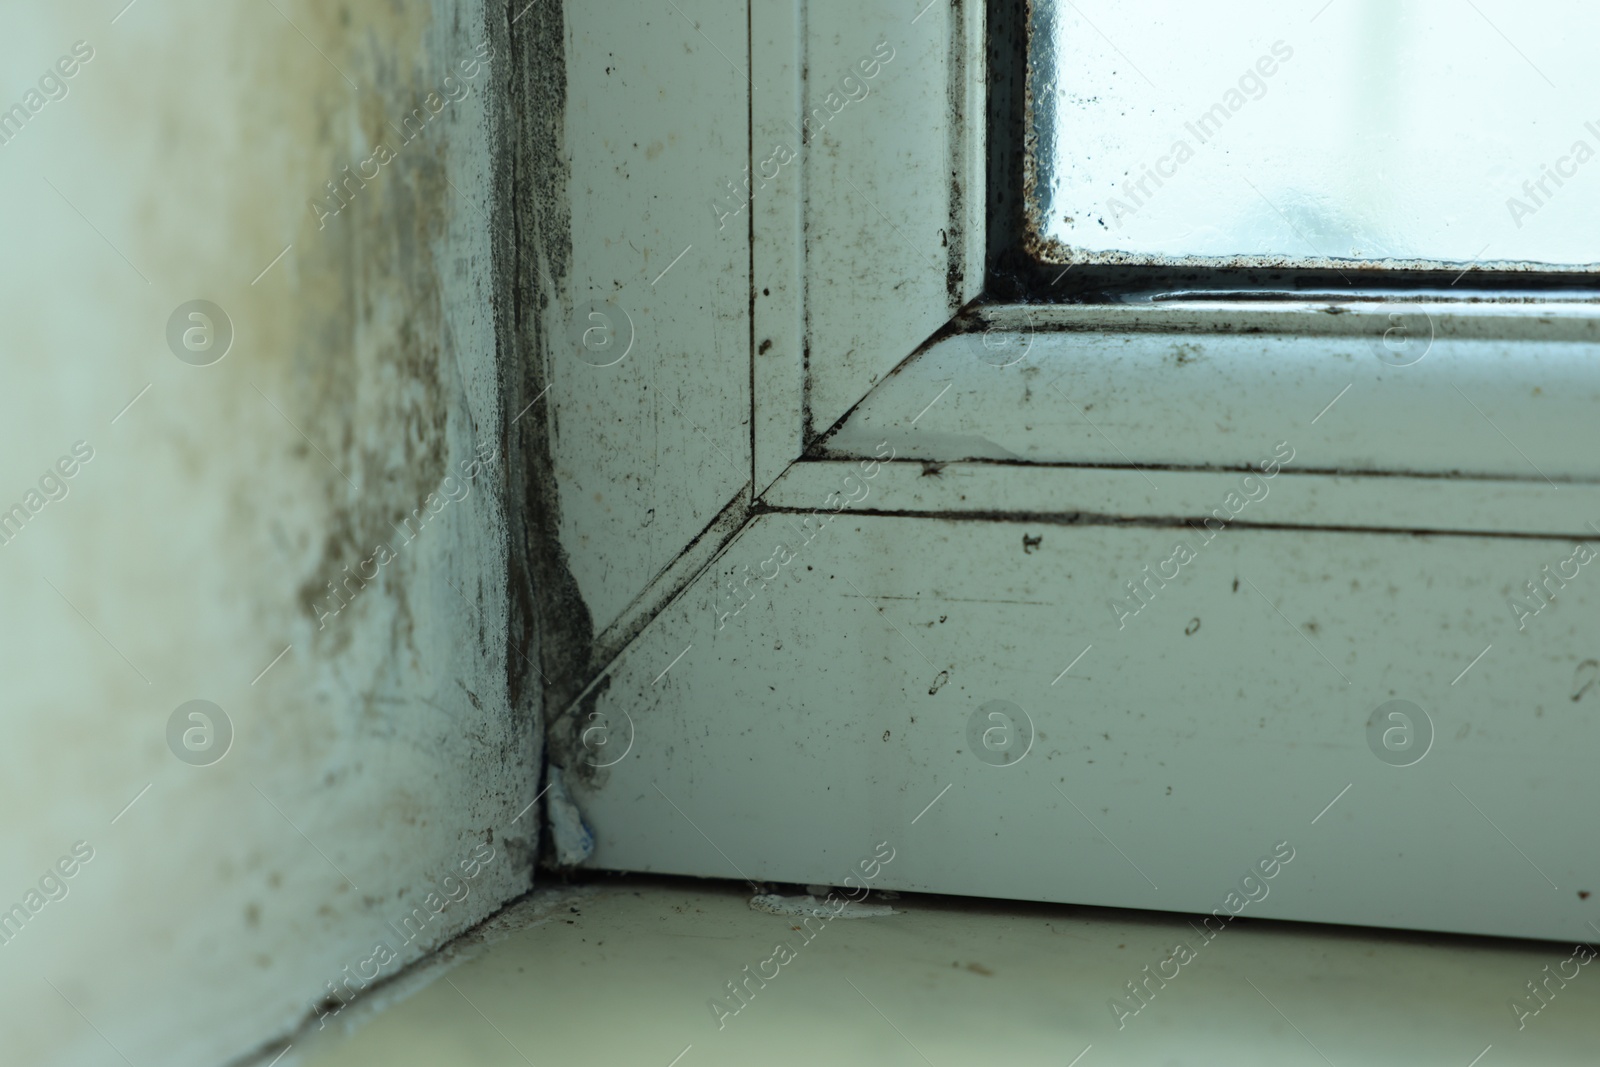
pixel 833 632
pixel 1023 298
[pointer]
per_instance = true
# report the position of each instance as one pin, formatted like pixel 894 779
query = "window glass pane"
pixel 1413 131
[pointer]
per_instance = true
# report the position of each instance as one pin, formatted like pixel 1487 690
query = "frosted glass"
pixel 1454 131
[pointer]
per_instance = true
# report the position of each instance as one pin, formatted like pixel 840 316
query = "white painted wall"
pixel 378 752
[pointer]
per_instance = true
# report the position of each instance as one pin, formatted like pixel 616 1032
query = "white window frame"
pixel 748 757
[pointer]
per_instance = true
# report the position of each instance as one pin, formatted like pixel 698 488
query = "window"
pixel 1030 439
pixel 1450 137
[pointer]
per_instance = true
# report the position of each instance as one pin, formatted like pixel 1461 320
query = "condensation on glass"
pixel 1416 134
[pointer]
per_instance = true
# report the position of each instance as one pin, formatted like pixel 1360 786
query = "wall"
pixel 373 748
